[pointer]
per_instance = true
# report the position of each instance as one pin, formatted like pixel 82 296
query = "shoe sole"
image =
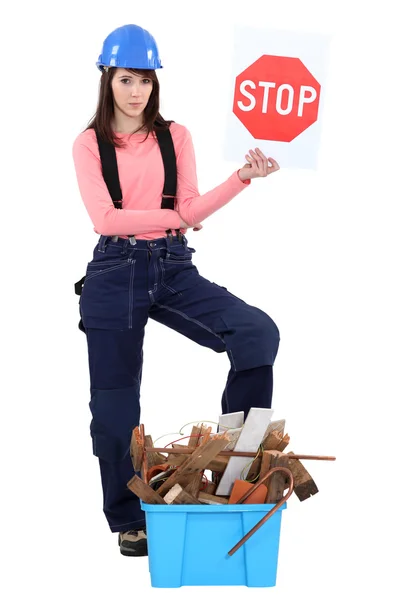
pixel 139 550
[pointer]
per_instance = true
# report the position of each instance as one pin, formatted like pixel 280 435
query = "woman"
pixel 141 269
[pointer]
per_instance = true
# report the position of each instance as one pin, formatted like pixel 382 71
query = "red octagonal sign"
pixel 276 98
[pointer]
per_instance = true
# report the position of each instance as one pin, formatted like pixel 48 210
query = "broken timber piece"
pixel 136 449
pixel 284 443
pixel 197 461
pixel 217 464
pixel 278 426
pixel 250 438
pixel 210 489
pixel 153 458
pixel 193 487
pixel 254 468
pixel 144 491
pixel 277 483
pixel 195 436
pixel 206 435
pixel 233 435
pixel 210 499
pixel 265 464
pixel 272 441
pixel 177 495
pixel 304 485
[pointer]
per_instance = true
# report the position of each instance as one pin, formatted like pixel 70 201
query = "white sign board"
pixel 276 96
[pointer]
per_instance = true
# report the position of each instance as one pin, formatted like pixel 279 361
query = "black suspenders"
pixel 109 167
pixel 110 170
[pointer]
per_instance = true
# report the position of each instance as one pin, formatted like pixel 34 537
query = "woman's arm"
pixel 107 219
pixel 192 207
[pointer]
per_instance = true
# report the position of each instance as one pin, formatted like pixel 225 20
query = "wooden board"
pixel 193 487
pixel 304 485
pixel 250 438
pixel 284 443
pixel 278 426
pixel 210 489
pixel 233 435
pixel 230 421
pixel 177 495
pixel 194 436
pixel 210 499
pixel 153 458
pixel 218 464
pixel 197 461
pixel 272 441
pixel 144 491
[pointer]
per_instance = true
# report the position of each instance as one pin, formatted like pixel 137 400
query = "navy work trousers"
pixel 125 285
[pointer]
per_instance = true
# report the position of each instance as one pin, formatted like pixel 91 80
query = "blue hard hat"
pixel 129 47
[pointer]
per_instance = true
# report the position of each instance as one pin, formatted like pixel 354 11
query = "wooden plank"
pixel 195 436
pixel 233 435
pixel 304 485
pixel 265 465
pixel 173 493
pixel 210 489
pixel 276 484
pixel 193 487
pixel 206 435
pixel 254 469
pixel 284 443
pixel 197 461
pixel 153 458
pixel 278 426
pixel 250 438
pixel 230 421
pixel 210 499
pixel 272 441
pixel 136 449
pixel 218 464
pixel 177 495
pixel 144 491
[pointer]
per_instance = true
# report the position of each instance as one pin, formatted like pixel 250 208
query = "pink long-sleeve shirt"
pixel 141 174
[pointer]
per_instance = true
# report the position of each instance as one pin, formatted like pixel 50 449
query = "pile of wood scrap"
pixel 238 456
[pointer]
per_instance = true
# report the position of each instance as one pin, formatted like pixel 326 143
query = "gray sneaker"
pixel 133 542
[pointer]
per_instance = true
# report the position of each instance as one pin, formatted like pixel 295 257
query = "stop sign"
pixel 276 98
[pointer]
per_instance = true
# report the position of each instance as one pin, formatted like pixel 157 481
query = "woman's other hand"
pixel 257 165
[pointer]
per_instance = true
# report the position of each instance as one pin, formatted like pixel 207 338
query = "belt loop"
pixel 125 247
pixel 102 243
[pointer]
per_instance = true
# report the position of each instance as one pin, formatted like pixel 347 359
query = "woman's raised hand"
pixel 257 165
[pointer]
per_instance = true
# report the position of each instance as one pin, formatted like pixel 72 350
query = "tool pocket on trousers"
pixel 108 448
pixel 107 299
pixel 101 268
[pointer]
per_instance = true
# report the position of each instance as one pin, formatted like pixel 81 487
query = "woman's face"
pixel 131 92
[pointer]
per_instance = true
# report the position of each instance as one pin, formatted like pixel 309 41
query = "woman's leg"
pixel 213 317
pixel 115 364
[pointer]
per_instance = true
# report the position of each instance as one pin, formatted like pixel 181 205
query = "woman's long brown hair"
pixel 101 121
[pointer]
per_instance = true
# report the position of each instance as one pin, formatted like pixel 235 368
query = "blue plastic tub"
pixel 189 544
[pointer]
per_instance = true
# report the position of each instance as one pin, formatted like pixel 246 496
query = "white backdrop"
pixel 318 251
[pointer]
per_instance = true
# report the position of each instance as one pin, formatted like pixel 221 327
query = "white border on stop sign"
pixel 249 45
